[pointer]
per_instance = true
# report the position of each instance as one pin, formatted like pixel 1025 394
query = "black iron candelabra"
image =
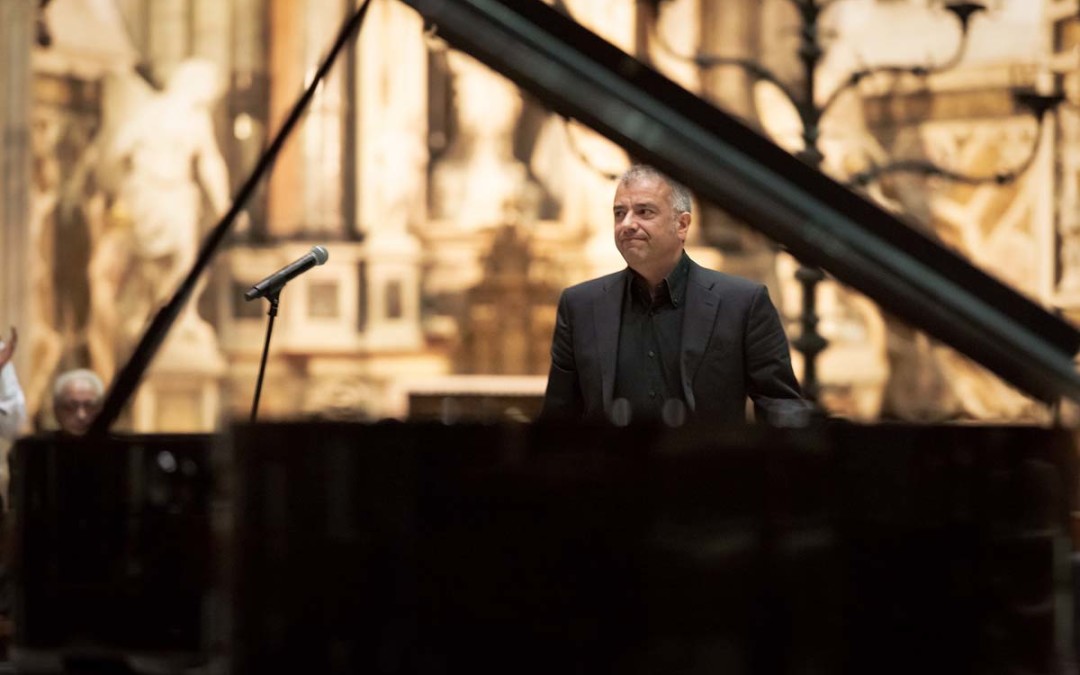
pixel 811 109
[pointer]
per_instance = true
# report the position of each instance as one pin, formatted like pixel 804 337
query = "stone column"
pixel 285 207
pixel 249 38
pixel 16 35
pixel 677 30
pixel 245 126
pixel 16 31
pixel 479 180
pixel 211 32
pixel 306 186
pixel 731 29
pixel 1061 245
pixel 322 131
pixel 390 104
pixel 1067 288
pixel 392 159
pixel 168 41
pixel 1044 177
pixel 574 162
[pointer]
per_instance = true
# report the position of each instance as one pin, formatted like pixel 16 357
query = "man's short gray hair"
pixel 680 196
pixel 79 374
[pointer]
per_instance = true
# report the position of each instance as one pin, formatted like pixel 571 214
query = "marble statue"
pixel 155 159
pixel 480 179
pixel 400 158
pixel 45 343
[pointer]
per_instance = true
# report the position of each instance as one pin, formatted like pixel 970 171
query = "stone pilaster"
pixel 306 185
pixel 168 37
pixel 285 212
pixel 16 35
pixel 588 155
pixel 731 29
pixel 322 131
pixel 390 102
pixel 211 32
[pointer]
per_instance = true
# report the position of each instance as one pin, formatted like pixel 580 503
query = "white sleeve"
pixel 12 403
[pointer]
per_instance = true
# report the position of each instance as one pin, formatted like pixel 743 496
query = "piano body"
pixel 408 548
pixel 416 548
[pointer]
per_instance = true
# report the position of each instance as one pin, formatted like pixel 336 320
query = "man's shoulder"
pixel 590 288
pixel 722 281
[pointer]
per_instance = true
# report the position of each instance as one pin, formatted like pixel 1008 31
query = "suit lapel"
pixel 607 311
pixel 702 305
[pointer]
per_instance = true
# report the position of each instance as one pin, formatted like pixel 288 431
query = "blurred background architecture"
pixel 455 207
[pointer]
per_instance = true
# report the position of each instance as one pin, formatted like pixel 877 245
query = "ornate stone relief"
pixel 46 344
pixel 991 224
pixel 479 179
pixel 509 315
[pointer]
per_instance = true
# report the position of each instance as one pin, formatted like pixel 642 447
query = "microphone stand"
pixel 127 379
pixel 272 312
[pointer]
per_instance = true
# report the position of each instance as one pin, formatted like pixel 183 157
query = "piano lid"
pixel 580 75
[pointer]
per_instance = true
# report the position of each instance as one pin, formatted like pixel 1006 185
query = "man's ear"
pixel 683 224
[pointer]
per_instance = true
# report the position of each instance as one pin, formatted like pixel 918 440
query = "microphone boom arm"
pixel 276 281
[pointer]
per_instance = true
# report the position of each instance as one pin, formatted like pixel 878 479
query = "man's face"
pixel 76 407
pixel 648 232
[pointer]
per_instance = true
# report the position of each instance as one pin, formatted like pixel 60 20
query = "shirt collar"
pixel 673 285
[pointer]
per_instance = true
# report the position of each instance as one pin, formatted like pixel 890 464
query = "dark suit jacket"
pixel 733 346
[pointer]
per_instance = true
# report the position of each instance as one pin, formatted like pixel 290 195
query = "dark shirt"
pixel 650 342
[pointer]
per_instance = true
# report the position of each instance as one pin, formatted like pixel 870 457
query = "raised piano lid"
pixel 823 223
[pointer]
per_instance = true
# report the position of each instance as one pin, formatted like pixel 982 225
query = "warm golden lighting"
pixel 242 127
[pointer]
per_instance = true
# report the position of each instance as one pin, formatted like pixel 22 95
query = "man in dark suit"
pixel 666 338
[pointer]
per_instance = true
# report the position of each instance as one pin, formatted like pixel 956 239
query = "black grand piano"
pixel 426 548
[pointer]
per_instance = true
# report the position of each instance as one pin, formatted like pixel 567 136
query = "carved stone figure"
pixel 480 178
pixel 155 159
pixel 45 344
pixel 991 225
pixel 400 160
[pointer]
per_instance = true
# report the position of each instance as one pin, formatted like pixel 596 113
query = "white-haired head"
pixel 197 80
pixel 681 199
pixel 77 400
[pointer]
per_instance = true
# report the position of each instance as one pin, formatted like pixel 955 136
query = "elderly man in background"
pixel 77 398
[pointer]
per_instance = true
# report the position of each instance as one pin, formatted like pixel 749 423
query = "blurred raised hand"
pixel 7 348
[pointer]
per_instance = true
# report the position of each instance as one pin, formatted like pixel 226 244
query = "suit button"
pixel 652 394
pixel 651 354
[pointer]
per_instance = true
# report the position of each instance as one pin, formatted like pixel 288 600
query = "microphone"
pixel 271 284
